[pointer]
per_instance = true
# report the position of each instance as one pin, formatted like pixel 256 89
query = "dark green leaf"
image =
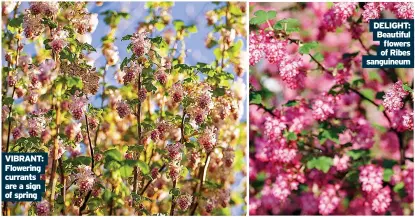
pixel 306 48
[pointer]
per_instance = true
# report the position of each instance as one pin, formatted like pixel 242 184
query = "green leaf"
pixel 322 163
pixel 306 48
pixel 8 100
pixel 255 97
pixel 178 25
pixel 192 28
pixel 291 136
pixel 289 25
pixel 407 88
pixel 126 37
pixel 126 171
pixel 291 103
pixel 46 44
pixel 16 22
pixel 88 47
pixel 156 40
pixel 124 63
pixel 398 187
pixel 175 192
pixel 379 95
pixel 330 133
pixel 319 57
pixel 357 154
pixel 49 23
pixel 143 167
pixel 340 66
pixel 218 92
pixel 387 175
pixel 262 17
pixel 94 203
pixel 113 154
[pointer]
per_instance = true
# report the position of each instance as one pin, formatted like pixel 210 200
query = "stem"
pixel 151 181
pixel 202 178
pixel 182 139
pixel 82 208
pixel 398 134
pixel 264 108
pixel 10 122
pixel 63 182
pixel 102 104
pixel 173 201
pixel 138 115
pixel 52 180
pixel 90 144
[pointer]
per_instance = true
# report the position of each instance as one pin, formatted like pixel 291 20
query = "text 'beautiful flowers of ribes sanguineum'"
pixel 327 136
pixel 133 121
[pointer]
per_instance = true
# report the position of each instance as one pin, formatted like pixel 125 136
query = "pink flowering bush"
pixel 326 136
pixel 151 133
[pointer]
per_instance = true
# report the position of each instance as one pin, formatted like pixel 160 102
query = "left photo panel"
pixel 124 108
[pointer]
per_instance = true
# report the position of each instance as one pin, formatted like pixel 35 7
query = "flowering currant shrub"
pixel 326 135
pixel 147 130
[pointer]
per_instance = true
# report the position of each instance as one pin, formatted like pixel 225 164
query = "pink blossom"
pixel 392 100
pixel 78 106
pixel 184 201
pixel 273 128
pixel 328 200
pixel 141 44
pixel 380 200
pixel 123 109
pixel 323 107
pixel 371 177
pixel 85 178
pixel 43 208
pixel 208 139
pixel 341 163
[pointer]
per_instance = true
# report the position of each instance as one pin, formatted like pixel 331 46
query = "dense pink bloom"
pixel 309 204
pixel 85 178
pixel 141 44
pixel 362 134
pixel 78 106
pixel 328 200
pixel 174 170
pixel 177 92
pixel 380 200
pixel 273 128
pixel 142 94
pixel 403 10
pixel 290 72
pixel 371 177
pixel 371 11
pixel 228 156
pixel 208 139
pixel 392 100
pixel 175 151
pixel 184 201
pixel 341 163
pixel 408 179
pixel 338 14
pixel 123 109
pixel 323 107
pixel 43 208
pixel 408 120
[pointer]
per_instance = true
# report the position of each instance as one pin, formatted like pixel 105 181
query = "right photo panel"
pixel 331 132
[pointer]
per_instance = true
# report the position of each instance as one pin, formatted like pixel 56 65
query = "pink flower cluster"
pixel 402 10
pixel 392 100
pixel 85 178
pixel 78 106
pixel 264 44
pixel 338 14
pixel 329 199
pixel 141 43
pixel 323 107
pixel 208 139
